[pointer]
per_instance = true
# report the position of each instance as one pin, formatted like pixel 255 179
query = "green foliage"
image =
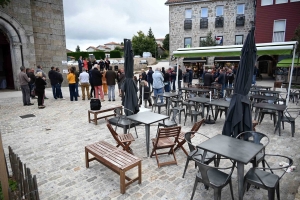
pixel 209 41
pixel 297 38
pixel 13 185
pixel 165 54
pixel 166 42
pixel 4 3
pixel 142 43
pixel 115 54
pixel 150 34
pixel 77 48
pixel 98 54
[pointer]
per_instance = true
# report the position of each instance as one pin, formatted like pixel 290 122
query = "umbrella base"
pixel 209 121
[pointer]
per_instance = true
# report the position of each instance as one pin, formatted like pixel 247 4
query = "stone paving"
pixel 52 146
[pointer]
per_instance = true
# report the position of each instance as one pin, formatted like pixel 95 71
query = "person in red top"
pixel 85 64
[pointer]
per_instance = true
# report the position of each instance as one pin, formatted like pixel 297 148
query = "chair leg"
pixel 271 194
pixel 261 117
pixel 136 132
pixel 231 191
pixel 194 189
pixel 186 164
pixel 277 191
pixel 282 125
pixel 217 194
pixel 263 164
pixel 185 118
pixel 293 128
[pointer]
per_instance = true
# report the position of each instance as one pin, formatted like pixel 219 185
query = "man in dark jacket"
pixel 191 75
pixel 144 75
pixel 31 83
pixel 147 93
pixel 52 74
pixel 111 77
pixel 208 78
pixel 60 80
pixel 80 64
pixel 221 80
pixel 149 77
pixel 97 82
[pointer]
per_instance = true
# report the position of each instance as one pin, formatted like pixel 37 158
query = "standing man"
pixel 158 83
pixel 24 80
pixel 84 80
pixel 208 78
pixel 179 77
pixel 102 65
pixel 107 63
pixel 52 74
pixel 80 64
pixel 149 77
pixel 191 75
pixel 111 77
pixel 221 80
pixel 144 75
pixel 31 83
pixel 173 78
pixel 60 80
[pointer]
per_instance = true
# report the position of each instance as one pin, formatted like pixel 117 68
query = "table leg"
pixel 216 112
pixel 240 173
pixel 256 112
pixel 147 131
pixel 202 105
pixel 278 123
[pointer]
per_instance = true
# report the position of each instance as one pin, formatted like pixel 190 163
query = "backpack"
pixel 95 104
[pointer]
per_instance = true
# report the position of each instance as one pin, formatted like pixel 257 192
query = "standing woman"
pixel 166 80
pixel 85 64
pixel 40 89
pixel 97 81
pixel 104 83
pixel 72 84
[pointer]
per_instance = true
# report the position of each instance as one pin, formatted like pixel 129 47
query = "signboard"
pixel 64 62
pixel 65 71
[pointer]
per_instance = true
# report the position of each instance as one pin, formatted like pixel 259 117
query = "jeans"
pixel 179 84
pixel 76 89
pixel 54 91
pixel 25 94
pixel 58 91
pixel 173 83
pixel 254 79
pixel 31 88
pixel 98 89
pixel 73 93
pixel 167 86
pixel 111 92
pixel 158 91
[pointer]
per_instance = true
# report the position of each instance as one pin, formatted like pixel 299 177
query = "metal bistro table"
pixel 262 87
pixel 270 106
pixel 196 90
pixel 219 103
pixel 168 95
pixel 200 100
pixel 274 93
pixel 147 118
pixel 240 151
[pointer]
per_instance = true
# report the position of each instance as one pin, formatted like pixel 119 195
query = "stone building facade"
pixel 32 33
pixel 227 32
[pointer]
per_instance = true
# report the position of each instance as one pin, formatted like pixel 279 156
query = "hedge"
pixel 98 54
pixel 115 54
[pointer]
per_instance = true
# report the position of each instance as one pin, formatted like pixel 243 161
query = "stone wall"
pixel 229 30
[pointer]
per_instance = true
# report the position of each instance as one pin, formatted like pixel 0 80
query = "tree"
pixel 297 38
pixel 209 41
pixel 77 48
pixel 166 43
pixel 4 3
pixel 152 43
pixel 142 43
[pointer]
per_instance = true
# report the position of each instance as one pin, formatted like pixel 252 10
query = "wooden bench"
pixel 97 112
pixel 115 159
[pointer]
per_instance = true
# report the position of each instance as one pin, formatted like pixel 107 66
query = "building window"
pixel 219 11
pixel 188 42
pixel 294 0
pixel 219 40
pixel 281 1
pixel 204 12
pixel 202 39
pixel 279 31
pixel 188 13
pixel 266 2
pixel 239 39
pixel 240 9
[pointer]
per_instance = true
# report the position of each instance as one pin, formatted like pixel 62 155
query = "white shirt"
pixel 84 77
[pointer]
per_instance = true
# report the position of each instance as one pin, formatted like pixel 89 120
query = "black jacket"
pixel 166 77
pixel 179 74
pixel 208 79
pixel 40 84
pixel 144 76
pixel 53 77
pixel 96 77
pixel 146 92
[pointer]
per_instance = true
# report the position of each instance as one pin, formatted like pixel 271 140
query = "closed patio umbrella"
pixel 239 117
pixel 130 100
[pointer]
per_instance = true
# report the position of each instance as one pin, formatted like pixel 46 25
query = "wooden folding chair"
pixel 123 140
pixel 181 139
pixel 166 139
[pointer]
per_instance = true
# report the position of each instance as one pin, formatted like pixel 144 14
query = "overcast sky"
pixel 95 22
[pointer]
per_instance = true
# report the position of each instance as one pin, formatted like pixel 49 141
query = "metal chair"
pixel 287 117
pixel 193 113
pixel 158 105
pixel 196 152
pixel 256 137
pixel 171 121
pixel 267 180
pixel 213 177
pixel 263 112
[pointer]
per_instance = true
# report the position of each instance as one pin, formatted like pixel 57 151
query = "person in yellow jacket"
pixel 72 84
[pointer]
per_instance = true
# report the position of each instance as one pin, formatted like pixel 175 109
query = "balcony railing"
pixel 219 22
pixel 203 23
pixel 187 24
pixel 240 20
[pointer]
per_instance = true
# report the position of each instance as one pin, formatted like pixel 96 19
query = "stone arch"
pixel 19 44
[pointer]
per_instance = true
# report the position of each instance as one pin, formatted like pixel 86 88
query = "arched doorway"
pixel 265 66
pixel 6 71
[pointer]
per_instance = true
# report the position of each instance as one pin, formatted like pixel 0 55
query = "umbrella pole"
pixel 291 76
pixel 143 106
pixel 177 81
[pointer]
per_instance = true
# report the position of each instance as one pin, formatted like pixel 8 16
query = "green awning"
pixel 288 62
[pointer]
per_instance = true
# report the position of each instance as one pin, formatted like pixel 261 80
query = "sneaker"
pixel 113 99
pixel 62 98
pixel 109 100
pixel 30 104
pixel 41 107
pixel 102 100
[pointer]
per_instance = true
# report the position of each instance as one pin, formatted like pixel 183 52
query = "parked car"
pixel 121 61
pixel 114 62
pixel 137 56
pixel 144 62
pixel 147 55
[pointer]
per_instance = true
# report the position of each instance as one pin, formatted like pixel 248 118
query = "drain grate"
pixel 27 116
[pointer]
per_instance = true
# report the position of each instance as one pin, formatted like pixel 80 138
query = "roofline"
pixel 184 2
